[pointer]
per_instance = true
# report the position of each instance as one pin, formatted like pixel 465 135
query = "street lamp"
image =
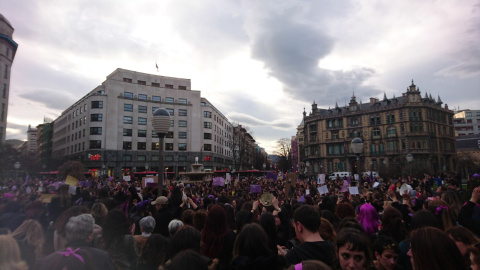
pixel 409 160
pixel 161 125
pixel 146 167
pixel 357 149
pixel 307 164
pixel 16 165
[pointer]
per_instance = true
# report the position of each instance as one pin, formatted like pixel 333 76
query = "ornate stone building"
pixel 390 129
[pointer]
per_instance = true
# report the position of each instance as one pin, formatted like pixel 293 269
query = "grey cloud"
pixel 50 98
pixel 251 121
pixel 291 51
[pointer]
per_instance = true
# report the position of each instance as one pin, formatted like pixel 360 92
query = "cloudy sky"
pixel 259 62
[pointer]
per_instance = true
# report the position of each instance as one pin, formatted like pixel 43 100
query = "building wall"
pixel 8 48
pixel 467 122
pixel 390 129
pixel 114 121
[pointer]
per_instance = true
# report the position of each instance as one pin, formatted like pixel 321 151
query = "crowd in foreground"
pixel 428 223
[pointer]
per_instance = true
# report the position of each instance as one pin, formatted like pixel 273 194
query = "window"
pixel 169 100
pixel 182 158
pixel 97 117
pixel 127 80
pixel 95 131
pixel 168 158
pixel 128 120
pixel 4 92
pixel 141 158
pixel 171 123
pixel 182 135
pixel 169 86
pixel 154 158
pixel 142 96
pixel 142 82
pixel 128 107
pixel 141 146
pixel 170 111
pixel 155 146
pixel 142 120
pixel 155 84
pixel 154 109
pixel 376 133
pixel 373 149
pixel 207 124
pixel 95 144
pixel 182 147
pixel 392 132
pixel 182 123
pixel 335 135
pixel 96 105
pixel 207 147
pixel 207 136
pixel 142 133
pixel 207 114
pixel 127 157
pixel 127 145
pixel 154 134
pixel 156 98
pixel 128 94
pixel 467 114
pixel 182 87
pixel 182 100
pixel 5 74
pixel 127 132
pixel 203 103
pixel 142 109
pixel 182 112
pixel 169 146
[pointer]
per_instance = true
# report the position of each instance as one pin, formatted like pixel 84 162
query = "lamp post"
pixel 307 164
pixel 16 165
pixel 146 167
pixel 264 166
pixel 409 160
pixel 357 149
pixel 161 125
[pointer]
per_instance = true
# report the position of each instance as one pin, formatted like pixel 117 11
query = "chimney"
pixel 372 100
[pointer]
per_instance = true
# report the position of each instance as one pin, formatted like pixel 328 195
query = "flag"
pixel 156 65
pixel 371 177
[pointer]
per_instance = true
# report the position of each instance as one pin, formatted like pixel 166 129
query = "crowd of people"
pixel 398 223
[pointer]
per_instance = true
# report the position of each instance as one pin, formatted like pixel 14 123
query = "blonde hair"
pixel 10 254
pixel 31 232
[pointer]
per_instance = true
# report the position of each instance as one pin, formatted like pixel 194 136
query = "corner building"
pixel 109 130
pixel 8 48
pixel 389 128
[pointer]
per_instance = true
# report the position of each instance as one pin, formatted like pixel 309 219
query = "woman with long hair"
pixel 29 238
pixel 432 249
pixel 10 254
pixel 154 253
pixel 368 218
pixel 217 237
pixel 118 241
pixel 252 251
pixel 464 239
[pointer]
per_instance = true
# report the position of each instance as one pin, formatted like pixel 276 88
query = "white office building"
pixel 109 130
pixel 467 122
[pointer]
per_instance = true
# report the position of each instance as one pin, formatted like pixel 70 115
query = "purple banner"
pixel 271 175
pixel 255 189
pixel 218 181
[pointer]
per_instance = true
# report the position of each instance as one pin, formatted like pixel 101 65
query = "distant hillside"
pixel 14 142
pixel 274 158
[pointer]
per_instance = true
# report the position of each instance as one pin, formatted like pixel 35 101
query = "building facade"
pixel 389 128
pixel 109 130
pixel 8 48
pixel 467 122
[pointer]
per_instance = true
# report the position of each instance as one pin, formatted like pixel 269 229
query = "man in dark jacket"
pixel 306 223
pixel 162 216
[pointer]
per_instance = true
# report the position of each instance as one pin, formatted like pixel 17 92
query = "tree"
pixel 284 147
pixel 73 168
